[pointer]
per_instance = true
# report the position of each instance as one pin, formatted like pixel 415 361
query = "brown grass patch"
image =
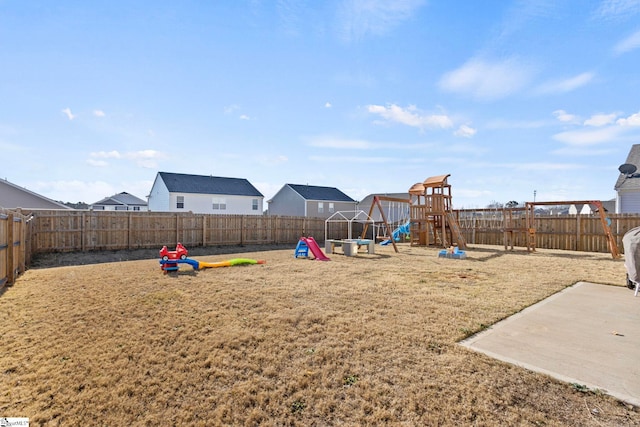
pixel 367 340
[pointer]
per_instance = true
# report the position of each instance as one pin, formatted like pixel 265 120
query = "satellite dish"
pixel 627 168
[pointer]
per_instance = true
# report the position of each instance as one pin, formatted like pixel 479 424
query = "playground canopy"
pixel 349 217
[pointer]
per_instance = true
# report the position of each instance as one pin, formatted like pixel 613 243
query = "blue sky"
pixel 368 96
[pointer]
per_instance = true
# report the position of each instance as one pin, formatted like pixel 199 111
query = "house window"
pixel 320 207
pixel 254 204
pixel 136 208
pixel 219 204
pixel 180 202
pixel 121 208
pixel 331 208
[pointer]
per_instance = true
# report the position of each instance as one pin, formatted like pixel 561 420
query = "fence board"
pixel 13 245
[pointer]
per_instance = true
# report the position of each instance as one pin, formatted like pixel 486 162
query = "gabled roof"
pixel 313 192
pixel 13 196
pixel 121 199
pixel 203 184
pixel 632 182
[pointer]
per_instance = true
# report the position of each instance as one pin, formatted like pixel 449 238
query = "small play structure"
pixel 531 225
pixel 306 244
pixel 170 260
pixel 452 252
pixel 349 246
pixel 521 226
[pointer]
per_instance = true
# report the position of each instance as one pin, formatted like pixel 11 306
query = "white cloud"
pixel 75 191
pixel 465 131
pixel 11 147
pixel 270 161
pixel 566 85
pixel 565 117
pixel 411 116
pixel 106 154
pixel 600 120
pixel 97 163
pixel 357 160
pixel 533 166
pixel 632 120
pixel 143 158
pixel 328 105
pixel 360 18
pixel 244 117
pixel 99 113
pixel 231 108
pixel 331 142
pixel 89 191
pixel 575 151
pixel 68 113
pixel 618 8
pixel 488 80
pixel 588 137
pixel 630 43
pixel 516 124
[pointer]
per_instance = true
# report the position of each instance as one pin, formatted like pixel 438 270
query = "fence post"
pixel 578 243
pixel 177 227
pixel 275 229
pixel 204 230
pixel 10 249
pixel 242 230
pixel 129 231
pixel 82 236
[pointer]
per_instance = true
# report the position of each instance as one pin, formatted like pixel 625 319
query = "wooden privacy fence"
pixel 24 233
pixel 14 245
pixel 76 230
pixel 566 232
pixel 68 231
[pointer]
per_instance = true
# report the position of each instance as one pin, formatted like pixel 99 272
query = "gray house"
pixel 628 184
pixel 205 194
pixel 309 201
pixel 120 202
pixel 13 196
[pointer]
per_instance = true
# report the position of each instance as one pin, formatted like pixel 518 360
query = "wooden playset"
pixel 431 218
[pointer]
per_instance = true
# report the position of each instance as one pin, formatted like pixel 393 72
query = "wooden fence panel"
pixel 4 249
pixel 13 245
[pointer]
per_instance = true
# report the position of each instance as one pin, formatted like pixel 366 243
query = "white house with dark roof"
pixel 13 196
pixel 628 184
pixel 204 194
pixel 309 201
pixel 120 202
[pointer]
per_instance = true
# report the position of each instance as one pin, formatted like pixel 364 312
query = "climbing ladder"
pixel 455 231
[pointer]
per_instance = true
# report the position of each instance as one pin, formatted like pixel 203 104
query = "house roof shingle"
pixel 203 184
pixel 627 183
pixel 313 192
pixel 123 198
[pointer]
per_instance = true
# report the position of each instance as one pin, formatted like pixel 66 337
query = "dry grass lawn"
pixel 366 340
